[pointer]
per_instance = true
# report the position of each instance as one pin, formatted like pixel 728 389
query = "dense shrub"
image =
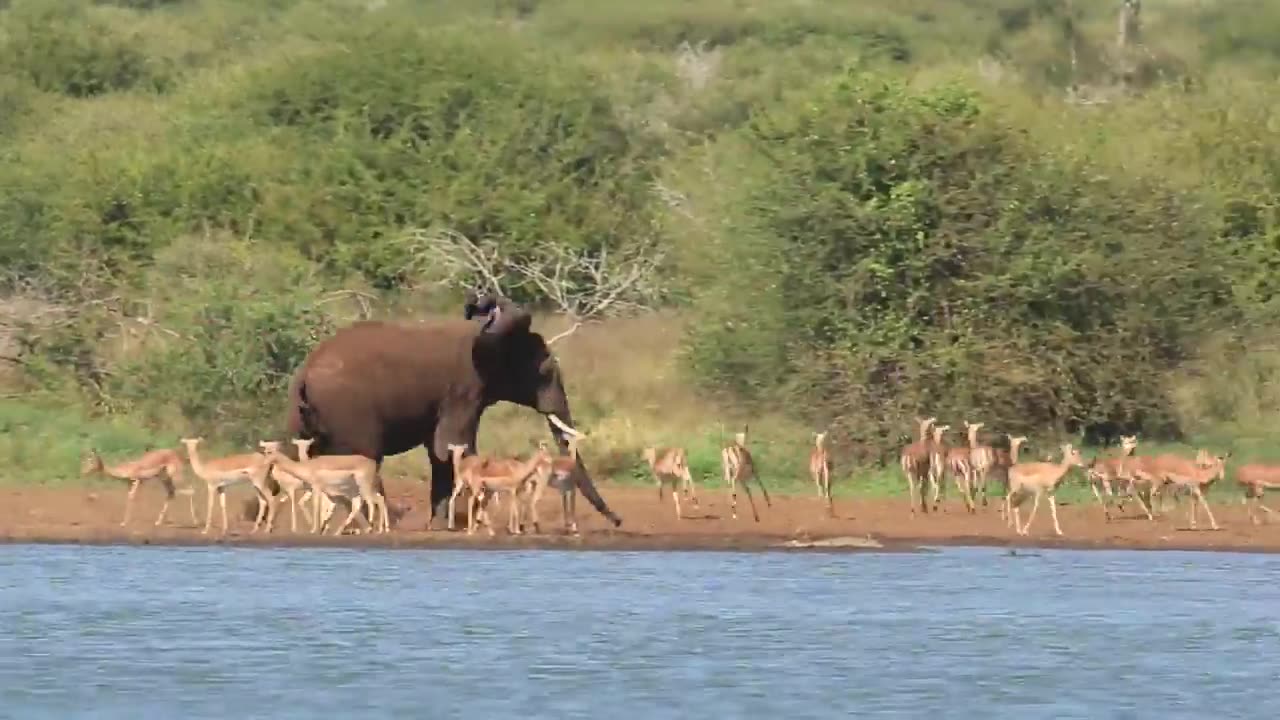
pixel 902 252
pixel 62 49
pixel 475 131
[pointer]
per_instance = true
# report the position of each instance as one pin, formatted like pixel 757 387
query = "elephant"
pixel 381 388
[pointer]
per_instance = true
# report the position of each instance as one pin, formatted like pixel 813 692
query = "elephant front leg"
pixel 442 485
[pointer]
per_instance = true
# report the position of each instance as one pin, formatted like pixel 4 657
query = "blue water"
pixel 965 633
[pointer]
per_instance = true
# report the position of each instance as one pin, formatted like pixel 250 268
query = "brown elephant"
pixel 381 388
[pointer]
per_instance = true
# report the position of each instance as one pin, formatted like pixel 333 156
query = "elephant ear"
pixel 507 319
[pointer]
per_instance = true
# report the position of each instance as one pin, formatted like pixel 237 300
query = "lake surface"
pixel 220 633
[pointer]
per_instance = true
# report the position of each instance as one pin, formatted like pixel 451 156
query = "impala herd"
pixel 1144 478
pixel 354 480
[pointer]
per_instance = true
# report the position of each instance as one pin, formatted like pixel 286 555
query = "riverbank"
pixel 91 515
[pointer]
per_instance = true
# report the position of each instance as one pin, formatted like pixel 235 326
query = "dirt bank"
pixel 92 515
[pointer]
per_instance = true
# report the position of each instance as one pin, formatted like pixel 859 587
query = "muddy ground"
pixel 92 515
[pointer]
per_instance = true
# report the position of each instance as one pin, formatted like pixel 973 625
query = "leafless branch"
pixel 463 260
pixel 363 299
pixel 565 334
pixel 587 285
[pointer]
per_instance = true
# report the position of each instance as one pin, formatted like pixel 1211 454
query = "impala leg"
pixel 675 497
pixel 264 509
pixel 1205 504
pixel 1145 508
pixel 168 497
pixel 1106 509
pixel 306 512
pixel 1031 516
pixel 208 514
pixel 750 499
pixel 128 501
pixel 689 490
pixel 513 515
pixel 222 503
pixel 353 509
pixel 764 490
pixel 1053 511
pixel 570 501
pixel 457 490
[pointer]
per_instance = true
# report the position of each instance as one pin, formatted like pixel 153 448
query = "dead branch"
pixel 565 334
pixel 587 286
pixel 363 299
pixel 462 259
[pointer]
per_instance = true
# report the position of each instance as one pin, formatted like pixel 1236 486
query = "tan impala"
pixel 341 476
pixel 222 474
pixel 915 461
pixel 162 466
pixel 1040 478
pixel 820 470
pixel 671 464
pixel 739 467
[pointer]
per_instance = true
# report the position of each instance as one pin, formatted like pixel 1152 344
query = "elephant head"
pixel 516 365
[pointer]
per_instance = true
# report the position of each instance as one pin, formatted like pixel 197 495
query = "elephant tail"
pixel 302 421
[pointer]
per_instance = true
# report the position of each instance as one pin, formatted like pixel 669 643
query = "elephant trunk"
pixel 580 476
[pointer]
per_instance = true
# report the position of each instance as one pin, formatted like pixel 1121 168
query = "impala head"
pixel 972 428
pixel 924 425
pixel 819 438
pixel 1071 456
pixel 269 447
pixel 190 442
pixel 455 451
pixel 938 430
pixel 303 445
pixel 91 463
pixel 650 455
pixel 1128 443
pixel 1218 462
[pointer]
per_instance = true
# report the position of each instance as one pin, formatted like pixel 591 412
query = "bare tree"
pixel 464 263
pixel 584 285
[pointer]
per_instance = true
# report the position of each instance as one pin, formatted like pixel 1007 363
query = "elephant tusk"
pixel 555 420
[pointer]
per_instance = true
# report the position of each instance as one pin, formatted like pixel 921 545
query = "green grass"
pixel 45 444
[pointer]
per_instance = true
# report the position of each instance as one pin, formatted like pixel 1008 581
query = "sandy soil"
pixel 91 515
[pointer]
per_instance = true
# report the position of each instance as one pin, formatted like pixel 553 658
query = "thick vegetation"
pixel 853 212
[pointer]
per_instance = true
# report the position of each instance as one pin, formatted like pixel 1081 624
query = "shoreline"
pixel 605 541
pixel 91 516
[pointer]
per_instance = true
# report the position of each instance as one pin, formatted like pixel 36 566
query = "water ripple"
pixel 222 632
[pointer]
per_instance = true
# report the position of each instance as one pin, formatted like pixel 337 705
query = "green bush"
pixel 475 131
pixel 61 48
pixel 908 253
